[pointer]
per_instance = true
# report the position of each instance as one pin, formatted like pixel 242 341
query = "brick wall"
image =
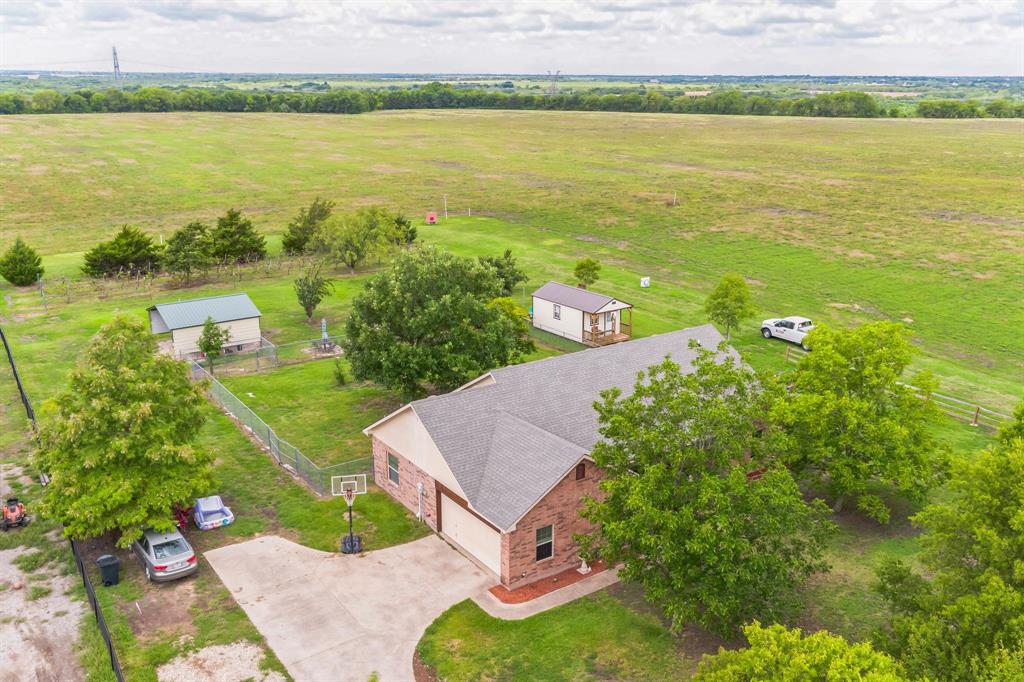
pixel 559 508
pixel 408 476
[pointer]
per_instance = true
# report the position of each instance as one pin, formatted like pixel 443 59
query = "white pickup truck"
pixel 792 329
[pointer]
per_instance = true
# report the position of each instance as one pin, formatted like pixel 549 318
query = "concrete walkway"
pixel 499 609
pixel 336 618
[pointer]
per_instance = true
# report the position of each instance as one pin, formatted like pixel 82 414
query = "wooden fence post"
pixel 787 353
pixel 977 413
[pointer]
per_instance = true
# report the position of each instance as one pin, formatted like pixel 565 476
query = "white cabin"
pixel 581 315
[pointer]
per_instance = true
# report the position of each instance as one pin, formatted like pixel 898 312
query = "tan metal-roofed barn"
pixel 184 320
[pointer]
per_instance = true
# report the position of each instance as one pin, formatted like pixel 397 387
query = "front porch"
pixel 606 337
pixel 606 327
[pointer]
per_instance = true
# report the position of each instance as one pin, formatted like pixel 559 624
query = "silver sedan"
pixel 165 556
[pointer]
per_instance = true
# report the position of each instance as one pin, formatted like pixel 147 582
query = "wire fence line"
pixel 269 355
pixel 284 453
pixel 963 410
pixel 90 591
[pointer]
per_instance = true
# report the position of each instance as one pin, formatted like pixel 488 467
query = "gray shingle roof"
pixel 508 443
pixel 573 297
pixel 193 313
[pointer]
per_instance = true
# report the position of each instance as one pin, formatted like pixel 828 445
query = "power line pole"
pixel 553 88
pixel 118 81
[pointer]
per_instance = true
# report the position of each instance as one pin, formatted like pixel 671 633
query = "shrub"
pixel 235 240
pixel 21 265
pixel 131 251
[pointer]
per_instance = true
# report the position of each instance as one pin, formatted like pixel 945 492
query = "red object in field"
pixel 431 218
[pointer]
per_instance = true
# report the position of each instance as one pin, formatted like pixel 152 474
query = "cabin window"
pixel 557 312
pixel 581 471
pixel 545 542
pixel 393 469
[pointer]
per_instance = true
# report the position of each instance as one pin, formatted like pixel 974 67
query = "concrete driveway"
pixel 336 618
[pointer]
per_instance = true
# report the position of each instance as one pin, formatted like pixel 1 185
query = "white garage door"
pixel 471 534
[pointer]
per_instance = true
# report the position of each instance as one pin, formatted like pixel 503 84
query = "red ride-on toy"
pixel 181 516
pixel 14 514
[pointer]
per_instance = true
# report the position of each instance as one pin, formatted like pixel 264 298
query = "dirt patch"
pixel 784 210
pixel 453 165
pixel 983 275
pixel 318 352
pixel 37 636
pixel 164 609
pixel 222 663
pixel 719 172
pixel 37 169
pixel 977 218
pixel 421 671
pixel 387 170
pixel 12 472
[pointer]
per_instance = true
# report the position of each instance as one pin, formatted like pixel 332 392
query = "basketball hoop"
pixel 350 544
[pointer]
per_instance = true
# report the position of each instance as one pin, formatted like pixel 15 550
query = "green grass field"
pixel 842 220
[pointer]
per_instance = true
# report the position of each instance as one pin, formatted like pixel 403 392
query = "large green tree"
pixel 303 225
pixel 777 653
pixel 428 322
pixel 117 442
pixel 189 251
pixel 131 251
pixel 344 238
pixel 692 503
pixel 729 302
pixel 20 264
pixel 587 271
pixel 854 424
pixel 508 271
pixel 235 240
pixel 963 617
pixel 311 288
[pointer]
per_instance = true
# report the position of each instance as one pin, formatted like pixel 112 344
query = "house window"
pixel 393 469
pixel 581 471
pixel 545 542
pixel 557 312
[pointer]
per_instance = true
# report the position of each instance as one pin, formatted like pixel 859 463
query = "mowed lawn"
pixel 305 406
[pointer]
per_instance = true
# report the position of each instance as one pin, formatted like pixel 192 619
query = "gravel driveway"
pixel 336 618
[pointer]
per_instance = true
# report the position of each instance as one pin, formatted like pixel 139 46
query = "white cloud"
pixel 577 36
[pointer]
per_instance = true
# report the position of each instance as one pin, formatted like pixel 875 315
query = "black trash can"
pixel 109 568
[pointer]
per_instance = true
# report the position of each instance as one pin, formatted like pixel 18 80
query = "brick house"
pixel 500 466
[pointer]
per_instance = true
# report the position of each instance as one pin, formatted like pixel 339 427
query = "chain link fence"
pixel 284 453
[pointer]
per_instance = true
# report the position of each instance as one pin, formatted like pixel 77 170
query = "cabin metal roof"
pixel 193 313
pixel 574 297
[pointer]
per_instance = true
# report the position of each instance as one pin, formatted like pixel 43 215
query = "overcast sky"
pixel 916 37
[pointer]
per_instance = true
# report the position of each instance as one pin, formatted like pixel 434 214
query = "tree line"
pixel 444 96
pixel 193 249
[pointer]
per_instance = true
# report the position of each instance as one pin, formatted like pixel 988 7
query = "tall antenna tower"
pixel 117 71
pixel 553 88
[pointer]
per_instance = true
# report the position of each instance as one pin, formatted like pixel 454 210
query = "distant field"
pixel 844 220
